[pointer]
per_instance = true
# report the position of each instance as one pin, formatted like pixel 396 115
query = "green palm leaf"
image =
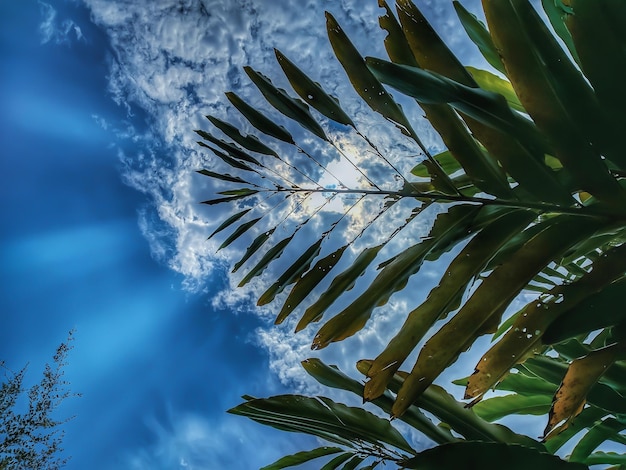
pixel 324 418
pixel 302 457
pixel 290 107
pixel 487 456
pixel 532 173
pixel 312 92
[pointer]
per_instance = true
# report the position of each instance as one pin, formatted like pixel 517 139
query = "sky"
pixel 103 231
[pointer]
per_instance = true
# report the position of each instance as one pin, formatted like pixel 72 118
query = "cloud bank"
pixel 174 60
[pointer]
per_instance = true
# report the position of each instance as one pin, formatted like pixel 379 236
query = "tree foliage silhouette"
pixel 30 435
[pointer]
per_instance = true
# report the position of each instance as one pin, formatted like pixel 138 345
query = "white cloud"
pixel 53 30
pixel 190 441
pixel 175 59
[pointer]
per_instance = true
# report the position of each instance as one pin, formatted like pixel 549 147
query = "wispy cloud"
pixel 51 29
pixel 188 441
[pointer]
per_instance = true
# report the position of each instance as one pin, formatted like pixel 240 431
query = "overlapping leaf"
pixel 487 456
pixel 533 169
pixel 322 417
pixel 302 457
pixel 481 313
pixel 555 94
pixel 526 332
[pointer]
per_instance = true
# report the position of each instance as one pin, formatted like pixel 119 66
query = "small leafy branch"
pixel 530 191
pixel 30 435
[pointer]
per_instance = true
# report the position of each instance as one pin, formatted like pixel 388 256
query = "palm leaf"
pixel 532 173
pixel 479 35
pixel 299 266
pixel 257 243
pixel 525 334
pixel 481 168
pixel 302 457
pixel 249 142
pixel 289 106
pixel 598 434
pixel 372 91
pixel 488 456
pixel 228 222
pixel 448 228
pixel 322 417
pixel 554 93
pixel 312 92
pixel 333 377
pixel 258 120
pixel 443 298
pixel 309 281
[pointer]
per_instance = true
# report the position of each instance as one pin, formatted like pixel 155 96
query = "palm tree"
pixel 530 196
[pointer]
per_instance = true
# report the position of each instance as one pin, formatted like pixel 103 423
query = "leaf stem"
pixel 540 206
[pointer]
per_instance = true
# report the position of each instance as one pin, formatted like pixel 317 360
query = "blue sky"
pixel 102 231
pixel 157 365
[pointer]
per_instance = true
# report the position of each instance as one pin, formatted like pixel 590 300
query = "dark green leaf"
pixel 353 463
pixel 556 12
pixel 363 81
pixel 267 258
pixel 220 176
pixel 445 159
pixel 305 285
pixel 491 82
pixel 302 457
pixel 343 282
pixel 238 192
pixel 212 202
pixel 334 463
pixel 596 311
pixel 432 88
pixel 330 376
pixel 597 435
pixel 599 458
pixel 491 110
pixel 312 92
pixel 227 159
pixel 260 121
pixel 397 47
pixel 239 231
pixel 449 228
pixel 232 149
pixel 456 415
pixel 525 385
pixel 231 220
pixel 290 107
pixel 496 408
pixel 253 248
pixel 479 35
pixel 249 141
pixel 322 417
pixel 290 275
pixel 487 456
pixel 598 30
